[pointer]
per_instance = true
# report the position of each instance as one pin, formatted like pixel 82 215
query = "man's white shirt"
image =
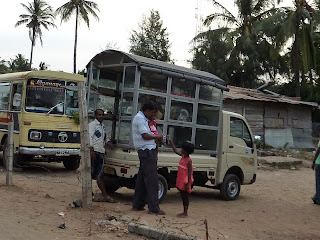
pixel 98 136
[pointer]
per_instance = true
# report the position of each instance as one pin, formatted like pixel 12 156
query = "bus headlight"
pixel 35 135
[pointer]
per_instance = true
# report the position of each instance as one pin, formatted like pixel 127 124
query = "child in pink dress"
pixel 185 172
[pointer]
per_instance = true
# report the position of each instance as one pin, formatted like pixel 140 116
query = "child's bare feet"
pixel 182 215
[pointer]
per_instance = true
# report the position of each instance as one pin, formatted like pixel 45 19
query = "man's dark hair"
pixel 188 147
pixel 149 106
pixel 96 111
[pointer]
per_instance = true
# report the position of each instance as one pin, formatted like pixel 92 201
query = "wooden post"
pixel 84 150
pixel 9 156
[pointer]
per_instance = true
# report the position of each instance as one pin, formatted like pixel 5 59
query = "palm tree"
pixel 82 9
pixel 40 14
pixel 294 26
pixel 244 60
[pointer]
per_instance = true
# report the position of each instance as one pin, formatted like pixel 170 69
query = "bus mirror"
pixel 16 102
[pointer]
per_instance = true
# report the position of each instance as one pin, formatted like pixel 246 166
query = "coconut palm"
pixel 245 57
pixel 39 14
pixel 82 9
pixel 294 27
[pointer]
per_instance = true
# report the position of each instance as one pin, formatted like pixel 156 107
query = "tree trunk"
pixel 32 44
pixel 75 44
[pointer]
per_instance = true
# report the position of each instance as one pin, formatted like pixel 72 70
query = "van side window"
pixel 240 130
pixel 16 96
pixel 4 95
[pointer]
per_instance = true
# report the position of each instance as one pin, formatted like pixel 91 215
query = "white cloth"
pixel 98 136
pixel 140 126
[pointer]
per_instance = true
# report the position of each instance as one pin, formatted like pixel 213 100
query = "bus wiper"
pixel 51 109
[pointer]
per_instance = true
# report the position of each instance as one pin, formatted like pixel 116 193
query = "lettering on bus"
pixel 40 82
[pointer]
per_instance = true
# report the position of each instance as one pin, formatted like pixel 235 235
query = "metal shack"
pixel 279 120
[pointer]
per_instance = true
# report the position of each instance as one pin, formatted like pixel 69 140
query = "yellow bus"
pixel 41 105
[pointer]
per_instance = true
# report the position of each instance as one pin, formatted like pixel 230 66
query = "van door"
pixel 240 148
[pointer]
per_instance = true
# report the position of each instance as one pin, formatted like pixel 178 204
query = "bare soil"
pixel 277 206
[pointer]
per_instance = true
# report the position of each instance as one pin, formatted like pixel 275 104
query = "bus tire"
pixel 230 187
pixel 163 187
pixel 71 163
pixel 112 183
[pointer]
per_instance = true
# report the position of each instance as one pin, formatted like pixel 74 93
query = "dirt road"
pixel 277 206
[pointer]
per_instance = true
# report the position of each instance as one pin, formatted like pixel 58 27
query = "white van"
pixel 190 108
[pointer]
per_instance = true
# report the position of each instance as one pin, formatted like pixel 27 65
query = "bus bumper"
pixel 49 151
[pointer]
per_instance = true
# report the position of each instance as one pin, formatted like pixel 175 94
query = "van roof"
pixel 54 75
pixel 115 57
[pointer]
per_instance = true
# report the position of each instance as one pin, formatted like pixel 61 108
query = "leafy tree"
pixel 3 66
pixel 151 39
pixel 82 9
pixel 294 27
pixel 245 58
pixel 19 64
pixel 39 14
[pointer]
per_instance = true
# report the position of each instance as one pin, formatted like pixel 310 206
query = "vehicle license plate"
pixel 63 152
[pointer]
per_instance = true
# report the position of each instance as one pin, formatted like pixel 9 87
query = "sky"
pixel 117 20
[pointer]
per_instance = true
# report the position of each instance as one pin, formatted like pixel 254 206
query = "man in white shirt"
pixel 98 140
pixel 146 186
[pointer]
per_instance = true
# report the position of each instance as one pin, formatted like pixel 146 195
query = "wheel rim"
pixel 233 189
pixel 160 190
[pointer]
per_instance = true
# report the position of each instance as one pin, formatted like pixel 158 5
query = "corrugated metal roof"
pixel 238 93
pixel 143 61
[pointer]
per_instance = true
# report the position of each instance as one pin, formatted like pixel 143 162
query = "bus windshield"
pixel 51 97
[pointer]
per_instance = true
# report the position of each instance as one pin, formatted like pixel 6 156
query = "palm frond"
pixel 220 18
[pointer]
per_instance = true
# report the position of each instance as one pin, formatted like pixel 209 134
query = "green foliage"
pixel 82 10
pixel 39 15
pixel 242 61
pixel 19 64
pixel 75 116
pixel 3 66
pixel 151 39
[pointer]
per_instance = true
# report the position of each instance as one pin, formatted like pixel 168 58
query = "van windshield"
pixel 51 97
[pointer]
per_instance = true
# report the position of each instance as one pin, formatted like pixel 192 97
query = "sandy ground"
pixel 277 206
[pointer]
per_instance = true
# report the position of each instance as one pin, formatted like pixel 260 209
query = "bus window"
pixel 208 115
pixel 45 97
pixel 179 134
pixel 159 101
pixel 16 96
pixel 183 87
pixel 72 104
pixel 181 111
pixel 206 139
pixel 153 81
pixel 4 95
pixel 209 93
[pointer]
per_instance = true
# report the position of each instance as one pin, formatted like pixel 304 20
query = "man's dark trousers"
pixel 146 189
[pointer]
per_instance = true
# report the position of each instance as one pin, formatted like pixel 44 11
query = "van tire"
pixel 163 187
pixel 230 187
pixel 112 183
pixel 71 163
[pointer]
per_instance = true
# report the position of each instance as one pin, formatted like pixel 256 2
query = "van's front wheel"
pixel 230 187
pixel 163 187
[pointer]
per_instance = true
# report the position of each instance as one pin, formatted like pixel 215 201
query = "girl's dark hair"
pixel 188 147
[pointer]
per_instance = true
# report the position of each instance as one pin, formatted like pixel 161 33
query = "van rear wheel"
pixel 230 187
pixel 163 187
pixel 112 183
